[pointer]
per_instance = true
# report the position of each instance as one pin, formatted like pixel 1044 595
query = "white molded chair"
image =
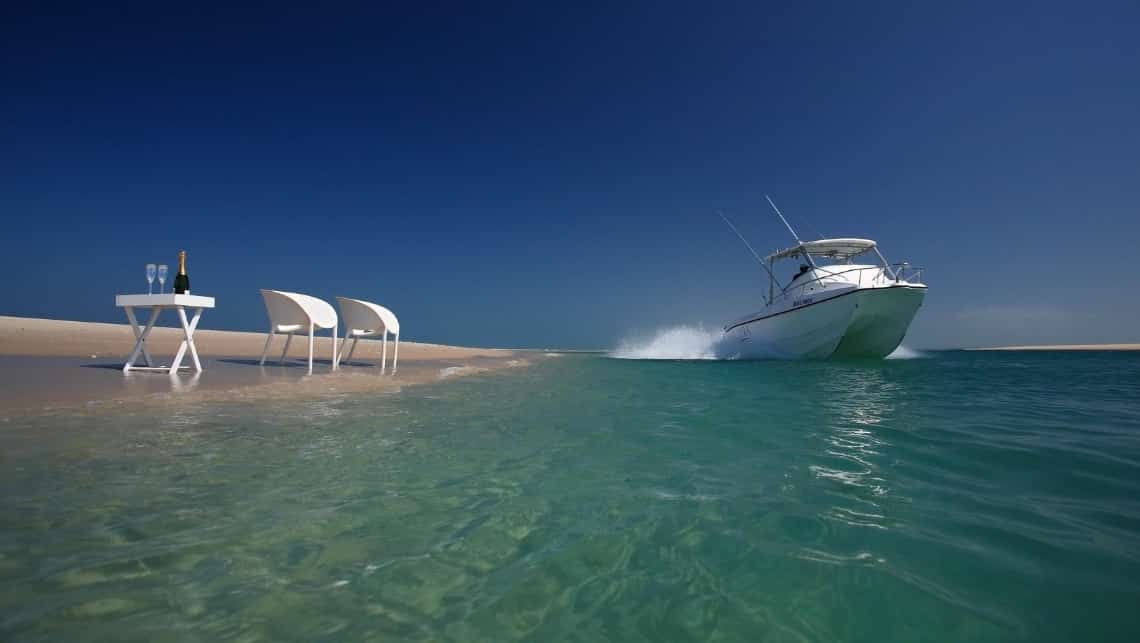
pixel 363 318
pixel 292 313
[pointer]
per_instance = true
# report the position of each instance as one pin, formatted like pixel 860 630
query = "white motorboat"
pixel 832 307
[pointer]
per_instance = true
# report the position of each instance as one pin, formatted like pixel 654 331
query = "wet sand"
pixel 51 364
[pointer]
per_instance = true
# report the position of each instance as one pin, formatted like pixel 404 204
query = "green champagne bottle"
pixel 182 281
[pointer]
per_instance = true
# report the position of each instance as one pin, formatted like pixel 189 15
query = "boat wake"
pixel 699 343
pixel 676 342
pixel 902 352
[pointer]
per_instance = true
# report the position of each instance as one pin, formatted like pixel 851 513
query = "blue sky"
pixel 528 175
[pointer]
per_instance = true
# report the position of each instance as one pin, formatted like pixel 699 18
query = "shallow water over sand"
pixel 32 385
pixel 957 497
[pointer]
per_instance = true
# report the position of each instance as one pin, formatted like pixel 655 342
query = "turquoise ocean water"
pixel 956 497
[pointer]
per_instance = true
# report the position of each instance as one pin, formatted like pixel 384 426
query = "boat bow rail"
pixel 858 275
pixel 908 273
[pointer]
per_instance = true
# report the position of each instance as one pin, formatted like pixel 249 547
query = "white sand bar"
pixel 47 363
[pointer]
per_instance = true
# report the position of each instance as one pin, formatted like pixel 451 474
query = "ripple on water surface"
pixel 955 497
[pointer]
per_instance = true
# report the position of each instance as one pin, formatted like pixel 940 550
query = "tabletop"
pixel 164 300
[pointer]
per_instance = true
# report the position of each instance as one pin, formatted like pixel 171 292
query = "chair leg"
pixel 288 339
pixel 268 341
pixel 310 349
pixel 396 355
pixel 353 348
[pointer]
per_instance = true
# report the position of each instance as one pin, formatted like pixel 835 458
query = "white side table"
pixel 158 303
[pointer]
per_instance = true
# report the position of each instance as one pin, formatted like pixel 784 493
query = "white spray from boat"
pixel 902 352
pixel 686 342
pixel 677 342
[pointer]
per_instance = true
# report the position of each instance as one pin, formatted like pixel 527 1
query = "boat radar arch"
pixel 835 249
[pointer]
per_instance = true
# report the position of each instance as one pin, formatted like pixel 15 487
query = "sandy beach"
pixel 58 338
pixel 47 363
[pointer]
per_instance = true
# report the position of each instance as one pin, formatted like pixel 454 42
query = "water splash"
pixel 902 352
pixel 455 371
pixel 677 342
pixel 696 342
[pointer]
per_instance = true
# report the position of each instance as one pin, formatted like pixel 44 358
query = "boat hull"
pixel 880 320
pixel 808 332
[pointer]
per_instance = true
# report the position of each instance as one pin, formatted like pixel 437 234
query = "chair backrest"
pixel 365 315
pixel 287 308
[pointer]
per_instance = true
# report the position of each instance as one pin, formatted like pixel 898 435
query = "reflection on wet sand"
pixel 178 384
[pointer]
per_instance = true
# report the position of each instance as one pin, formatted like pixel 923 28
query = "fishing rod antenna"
pixel 786 224
pixel 750 249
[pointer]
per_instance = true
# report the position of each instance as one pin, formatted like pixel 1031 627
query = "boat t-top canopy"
pixel 835 249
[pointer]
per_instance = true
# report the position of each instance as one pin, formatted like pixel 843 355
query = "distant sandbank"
pixel 48 363
pixel 1064 347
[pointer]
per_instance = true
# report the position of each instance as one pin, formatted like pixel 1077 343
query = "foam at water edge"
pixel 678 342
pixel 902 352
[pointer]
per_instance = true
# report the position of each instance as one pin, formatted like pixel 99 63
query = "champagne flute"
pixel 162 278
pixel 150 267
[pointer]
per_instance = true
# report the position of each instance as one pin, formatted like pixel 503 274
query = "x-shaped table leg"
pixel 188 332
pixel 140 337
